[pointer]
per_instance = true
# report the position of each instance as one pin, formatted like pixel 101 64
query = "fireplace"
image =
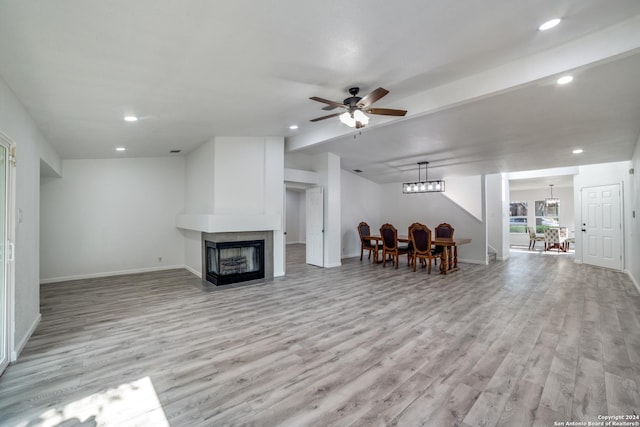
pixel 234 262
pixel 236 258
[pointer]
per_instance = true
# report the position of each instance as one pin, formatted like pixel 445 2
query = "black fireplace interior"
pixel 233 262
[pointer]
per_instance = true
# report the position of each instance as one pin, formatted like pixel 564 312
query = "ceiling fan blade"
pixel 326 101
pixel 372 97
pixel 325 117
pixel 386 111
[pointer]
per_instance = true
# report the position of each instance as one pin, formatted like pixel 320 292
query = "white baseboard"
pixel 18 348
pixel 357 254
pixel 193 270
pixel 109 273
pixel 337 264
pixel 471 261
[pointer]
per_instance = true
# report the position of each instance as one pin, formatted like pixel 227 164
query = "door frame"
pixel 8 303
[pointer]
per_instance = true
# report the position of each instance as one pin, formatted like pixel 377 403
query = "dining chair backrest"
pixel 389 236
pixel 444 231
pixel 553 236
pixel 364 230
pixel 564 232
pixel 420 237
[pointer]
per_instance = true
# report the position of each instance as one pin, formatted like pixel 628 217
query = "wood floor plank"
pixel 528 341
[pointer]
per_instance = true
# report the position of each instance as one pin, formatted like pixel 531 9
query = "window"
pixel 518 217
pixel 546 216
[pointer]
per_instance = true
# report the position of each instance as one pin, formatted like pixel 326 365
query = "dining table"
pixel 448 258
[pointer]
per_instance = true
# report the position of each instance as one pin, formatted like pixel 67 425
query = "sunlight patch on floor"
pixel 131 404
pixel 540 251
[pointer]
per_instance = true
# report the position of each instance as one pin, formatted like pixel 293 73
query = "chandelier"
pixel 421 186
pixel 551 201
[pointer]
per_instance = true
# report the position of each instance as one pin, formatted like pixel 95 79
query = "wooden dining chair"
pixel 390 246
pixel 442 231
pixel 420 236
pixel 365 244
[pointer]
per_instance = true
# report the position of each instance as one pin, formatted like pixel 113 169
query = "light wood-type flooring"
pixel 534 340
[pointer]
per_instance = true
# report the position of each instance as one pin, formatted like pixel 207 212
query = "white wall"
pixel 112 216
pixel 238 182
pixel 31 147
pixel 464 191
pixel 198 182
pixel 605 174
pixel 431 209
pixel 634 218
pixel 498 215
pixel 566 211
pixel 240 165
pixel 328 167
pixel 198 199
pixel 360 199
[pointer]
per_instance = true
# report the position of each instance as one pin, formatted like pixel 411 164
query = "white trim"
pixel 18 348
pixel 354 255
pixel 472 261
pixel 337 264
pixel 8 305
pixel 193 271
pixel 109 273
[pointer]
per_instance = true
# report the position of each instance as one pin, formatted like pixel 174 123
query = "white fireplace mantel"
pixel 216 223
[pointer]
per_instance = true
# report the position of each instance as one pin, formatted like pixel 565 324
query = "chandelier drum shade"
pixel 551 203
pixel 423 186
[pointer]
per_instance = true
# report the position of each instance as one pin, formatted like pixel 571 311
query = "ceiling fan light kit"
pixel 352 119
pixel 355 108
pixel 420 186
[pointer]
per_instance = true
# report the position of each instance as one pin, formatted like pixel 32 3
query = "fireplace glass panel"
pixel 234 260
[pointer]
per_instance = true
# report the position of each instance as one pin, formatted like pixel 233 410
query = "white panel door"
pixel 284 227
pixel 602 226
pixel 315 226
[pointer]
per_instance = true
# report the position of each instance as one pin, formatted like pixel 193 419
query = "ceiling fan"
pixel 355 107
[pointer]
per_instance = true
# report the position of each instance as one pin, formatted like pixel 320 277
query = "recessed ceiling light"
pixel 121 149
pixel 293 127
pixel 130 119
pixel 578 151
pixel 564 80
pixel 549 24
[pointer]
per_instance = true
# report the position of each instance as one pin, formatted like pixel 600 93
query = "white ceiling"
pixel 476 77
